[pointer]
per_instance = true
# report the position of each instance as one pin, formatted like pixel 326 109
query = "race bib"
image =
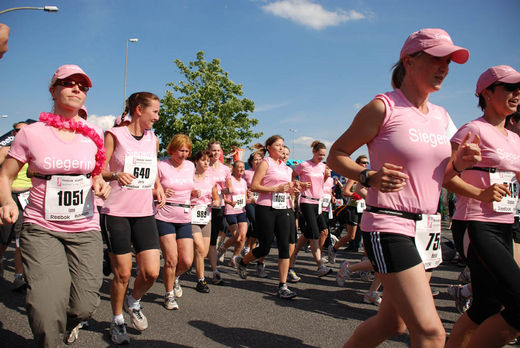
pixel 68 198
pixel 508 203
pixel 279 200
pixel 23 198
pixel 361 205
pixel 200 215
pixel 255 196
pixel 428 240
pixel 240 201
pixel 325 201
pixel 144 169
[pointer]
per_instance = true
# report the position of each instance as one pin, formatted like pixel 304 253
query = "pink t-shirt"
pixel 41 147
pixel 277 173
pixel 315 174
pixel 180 180
pixel 123 201
pixel 418 142
pixel 239 189
pixel 205 186
pixel 498 151
pixel 327 190
pixel 221 174
pixel 248 176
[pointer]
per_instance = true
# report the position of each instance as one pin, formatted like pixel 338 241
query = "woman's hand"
pixel 468 154
pixel 494 193
pixel 124 178
pixel 389 178
pixel 161 197
pixel 9 213
pixel 101 187
pixel 195 193
pixel 169 192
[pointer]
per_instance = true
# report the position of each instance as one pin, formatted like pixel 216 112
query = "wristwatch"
pixel 114 175
pixel 364 178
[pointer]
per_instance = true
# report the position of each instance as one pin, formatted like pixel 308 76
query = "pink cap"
pixel 499 73
pixel 436 42
pixel 120 118
pixel 65 71
pixel 83 114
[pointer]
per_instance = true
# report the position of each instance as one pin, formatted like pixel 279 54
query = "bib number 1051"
pixel 68 198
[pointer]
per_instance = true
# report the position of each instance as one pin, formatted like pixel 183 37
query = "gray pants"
pixel 63 272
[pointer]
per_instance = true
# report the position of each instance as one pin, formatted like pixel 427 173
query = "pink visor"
pixel 65 71
pixel 499 73
pixel 436 42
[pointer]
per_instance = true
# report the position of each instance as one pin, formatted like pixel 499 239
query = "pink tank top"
pixel 277 173
pixel 205 187
pixel 248 176
pixel 41 147
pixel 418 142
pixel 498 151
pixel 180 180
pixel 220 174
pixel 123 201
pixel 313 173
pixel 239 190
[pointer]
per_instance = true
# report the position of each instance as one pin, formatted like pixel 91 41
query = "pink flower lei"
pixel 59 122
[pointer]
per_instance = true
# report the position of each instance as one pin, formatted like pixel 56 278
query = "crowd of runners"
pixel 66 189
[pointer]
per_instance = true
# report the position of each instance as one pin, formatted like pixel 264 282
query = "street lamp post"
pixel 293 131
pixel 44 8
pixel 126 62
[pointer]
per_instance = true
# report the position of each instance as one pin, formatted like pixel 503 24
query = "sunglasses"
pixel 510 87
pixel 72 83
pixel 364 162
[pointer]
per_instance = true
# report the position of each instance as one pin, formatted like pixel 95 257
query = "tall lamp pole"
pixel 45 8
pixel 126 62
pixel 293 131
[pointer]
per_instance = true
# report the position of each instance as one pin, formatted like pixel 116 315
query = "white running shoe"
pixel 324 270
pixel 221 252
pixel 177 290
pixel 343 273
pixel 260 270
pixel 333 239
pixel 331 252
pixel 74 334
pixel 170 302
pixel 137 317
pixel 293 277
pixel 372 298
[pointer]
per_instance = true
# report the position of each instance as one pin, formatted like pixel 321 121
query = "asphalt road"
pixel 244 313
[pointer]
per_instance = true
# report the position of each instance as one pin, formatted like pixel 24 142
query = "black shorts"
pixel 353 217
pixel 458 230
pixel 391 252
pixel 217 224
pixel 10 232
pixel 495 276
pixel 234 219
pixel 310 215
pixel 181 230
pixel 123 232
pixel 250 212
pixel 323 220
pixel 292 229
pixel 516 231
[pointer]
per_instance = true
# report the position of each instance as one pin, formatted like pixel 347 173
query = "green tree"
pixel 206 106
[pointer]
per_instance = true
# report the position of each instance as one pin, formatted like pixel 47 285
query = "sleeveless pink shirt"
pixel 313 173
pixel 239 189
pixel 277 173
pixel 420 144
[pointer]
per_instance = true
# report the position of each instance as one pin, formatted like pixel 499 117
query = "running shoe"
pixel 366 276
pixel 202 286
pixel 435 292
pixel 19 284
pixel 245 251
pixel 217 278
pixel 331 252
pixel 285 293
pixel 343 273
pixel 118 333
pixel 177 290
pixel 372 298
pixel 461 303
pixel 221 252
pixel 260 270
pixel 293 277
pixel 324 270
pixel 241 269
pixel 137 317
pixel 170 302
pixel 465 276
pixel 73 335
pixel 232 261
pixel 333 239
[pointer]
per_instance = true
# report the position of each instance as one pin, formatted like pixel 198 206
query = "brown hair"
pixel 260 152
pixel 317 145
pixel 178 141
pixel 200 154
pixel 398 71
pixel 214 142
pixel 360 157
pixel 270 141
pixel 143 99
pixel 482 100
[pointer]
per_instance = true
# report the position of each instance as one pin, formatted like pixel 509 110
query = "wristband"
pixel 455 169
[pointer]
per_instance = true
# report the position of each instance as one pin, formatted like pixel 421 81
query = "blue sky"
pixel 308 65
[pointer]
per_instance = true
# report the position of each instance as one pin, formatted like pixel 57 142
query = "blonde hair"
pixel 177 142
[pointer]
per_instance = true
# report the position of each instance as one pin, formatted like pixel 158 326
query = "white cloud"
pixel 309 14
pixel 307 141
pixel 105 122
pixel 357 106
pixel 269 107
